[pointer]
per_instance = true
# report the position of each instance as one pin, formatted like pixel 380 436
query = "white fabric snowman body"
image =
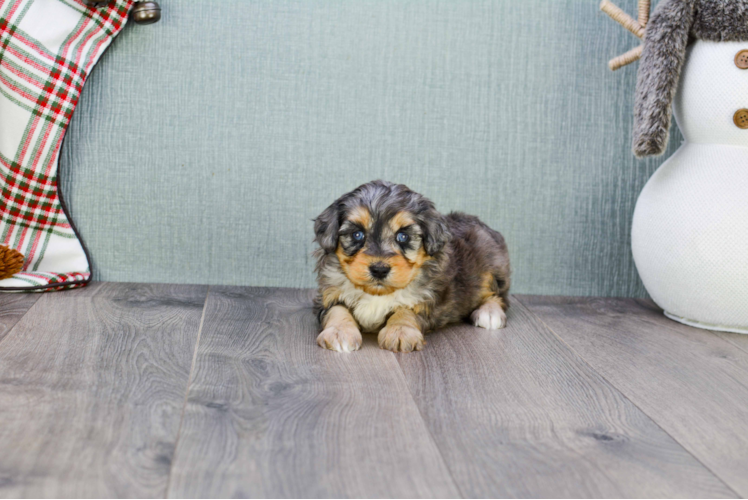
pixel 690 227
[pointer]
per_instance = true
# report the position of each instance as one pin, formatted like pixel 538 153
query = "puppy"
pixel 388 262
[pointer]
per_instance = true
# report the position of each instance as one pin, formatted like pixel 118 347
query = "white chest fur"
pixel 371 311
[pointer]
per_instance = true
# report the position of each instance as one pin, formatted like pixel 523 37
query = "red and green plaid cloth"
pixel 47 49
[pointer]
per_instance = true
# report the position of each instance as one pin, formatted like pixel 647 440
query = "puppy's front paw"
pixel 341 338
pixel 489 316
pixel 400 338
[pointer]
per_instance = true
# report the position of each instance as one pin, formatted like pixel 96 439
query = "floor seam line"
pixel 426 426
pixel 187 392
pixel 12 328
pixel 731 344
pixel 716 333
pixel 626 397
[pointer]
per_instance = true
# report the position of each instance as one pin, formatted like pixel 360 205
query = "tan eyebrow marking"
pixel 361 216
pixel 400 220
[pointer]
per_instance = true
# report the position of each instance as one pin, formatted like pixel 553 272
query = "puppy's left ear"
pixel 435 232
pixel 326 227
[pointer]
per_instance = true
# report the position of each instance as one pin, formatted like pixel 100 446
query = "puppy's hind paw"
pixel 489 316
pixel 342 338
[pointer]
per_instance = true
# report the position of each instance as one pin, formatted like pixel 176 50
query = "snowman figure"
pixel 690 226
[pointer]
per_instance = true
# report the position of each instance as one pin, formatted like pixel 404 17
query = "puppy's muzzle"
pixel 379 270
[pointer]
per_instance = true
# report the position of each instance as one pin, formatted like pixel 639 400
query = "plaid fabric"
pixel 47 49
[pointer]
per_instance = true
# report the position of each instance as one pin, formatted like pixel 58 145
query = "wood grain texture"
pixel 691 382
pixel 270 414
pixel 92 384
pixel 738 340
pixel 12 308
pixel 516 413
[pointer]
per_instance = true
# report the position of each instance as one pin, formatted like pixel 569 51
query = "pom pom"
pixel 11 262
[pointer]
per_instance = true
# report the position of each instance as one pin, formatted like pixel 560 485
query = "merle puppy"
pixel 388 262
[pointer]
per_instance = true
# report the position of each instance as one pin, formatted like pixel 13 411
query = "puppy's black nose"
pixel 379 270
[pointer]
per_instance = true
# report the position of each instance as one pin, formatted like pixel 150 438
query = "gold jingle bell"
pixel 146 13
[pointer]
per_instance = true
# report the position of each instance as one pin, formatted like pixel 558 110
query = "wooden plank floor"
pixel 270 414
pixel 139 390
pixel 92 387
pixel 692 382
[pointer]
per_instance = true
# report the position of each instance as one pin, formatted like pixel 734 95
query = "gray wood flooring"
pixel 141 390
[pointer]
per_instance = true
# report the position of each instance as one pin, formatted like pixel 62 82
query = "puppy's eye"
pixel 402 238
pixel 358 236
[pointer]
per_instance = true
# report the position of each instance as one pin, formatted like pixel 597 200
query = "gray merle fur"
pixel 462 250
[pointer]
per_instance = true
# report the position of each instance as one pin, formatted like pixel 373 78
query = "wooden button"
pixel 741 118
pixel 741 59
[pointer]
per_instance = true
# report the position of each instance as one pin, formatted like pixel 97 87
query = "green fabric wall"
pixel 203 146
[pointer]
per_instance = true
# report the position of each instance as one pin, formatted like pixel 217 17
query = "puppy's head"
pixel 382 234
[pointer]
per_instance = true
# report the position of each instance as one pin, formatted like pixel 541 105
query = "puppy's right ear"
pixel 436 232
pixel 326 227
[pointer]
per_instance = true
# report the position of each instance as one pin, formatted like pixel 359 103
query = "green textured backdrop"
pixel 203 145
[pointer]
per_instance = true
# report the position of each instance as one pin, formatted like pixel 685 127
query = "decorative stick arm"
pixel 632 55
pixel 622 18
pixel 644 8
pixel 635 26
